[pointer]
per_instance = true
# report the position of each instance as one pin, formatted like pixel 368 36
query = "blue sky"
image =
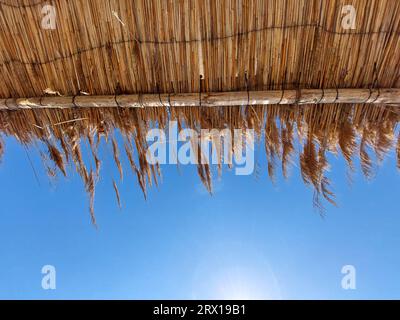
pixel 251 239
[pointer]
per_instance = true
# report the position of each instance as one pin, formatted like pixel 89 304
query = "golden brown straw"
pixel 286 68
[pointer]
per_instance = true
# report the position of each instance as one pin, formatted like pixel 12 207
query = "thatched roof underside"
pixel 122 47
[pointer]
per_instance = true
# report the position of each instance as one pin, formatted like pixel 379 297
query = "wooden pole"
pixel 211 99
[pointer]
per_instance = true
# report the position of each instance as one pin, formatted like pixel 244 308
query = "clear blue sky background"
pixel 250 240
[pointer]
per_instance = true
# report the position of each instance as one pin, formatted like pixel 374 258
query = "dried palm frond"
pixel 347 142
pixel 117 194
pixel 287 146
pixel 90 189
pixel 94 150
pixel 309 163
pixel 384 140
pixel 116 158
pixel 205 176
pixel 323 181
pixel 50 170
pixel 272 144
pixel 365 159
pixel 1 148
pixel 398 152
pixel 65 147
pixel 56 157
pixel 129 154
pixel 79 163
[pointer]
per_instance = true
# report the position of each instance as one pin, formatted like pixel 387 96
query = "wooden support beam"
pixel 211 99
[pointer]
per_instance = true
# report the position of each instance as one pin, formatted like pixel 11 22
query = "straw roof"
pixel 98 44
pixel 167 46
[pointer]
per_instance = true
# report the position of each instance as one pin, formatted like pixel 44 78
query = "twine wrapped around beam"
pixel 211 99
